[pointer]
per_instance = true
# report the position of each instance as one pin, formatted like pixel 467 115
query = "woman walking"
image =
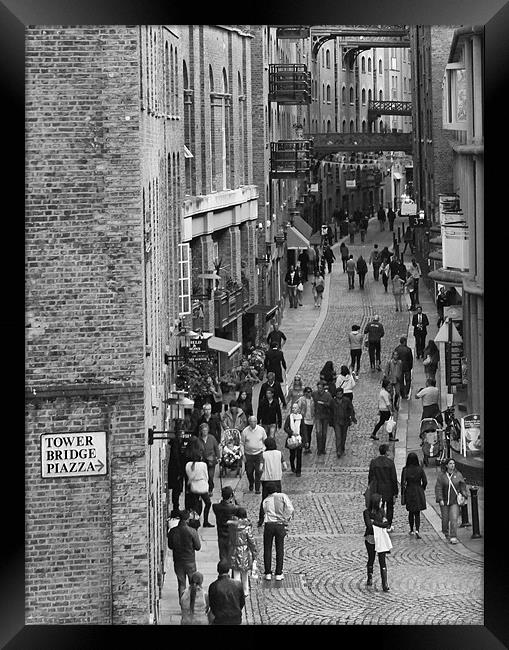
pixel 374 515
pixel 450 493
pixel 194 602
pixel 397 291
pixel 431 356
pixel 384 408
pixel 346 382
pixel 384 272
pixel 307 409
pixel 328 375
pixel 296 391
pixel 198 485
pixel 293 429
pixel 244 403
pixel 318 289
pixel 355 339
pixel 242 548
pixel 430 396
pixel 413 487
pixel 273 465
pixel 343 249
pixel 362 269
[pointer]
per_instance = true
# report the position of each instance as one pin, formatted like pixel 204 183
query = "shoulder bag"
pixel 460 497
pixel 383 542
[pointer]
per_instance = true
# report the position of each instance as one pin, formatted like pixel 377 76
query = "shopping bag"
pixel 390 425
pixel 383 542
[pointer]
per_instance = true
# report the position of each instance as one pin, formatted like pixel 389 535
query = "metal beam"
pixel 323 143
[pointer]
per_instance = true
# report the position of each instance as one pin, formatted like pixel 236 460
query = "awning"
pixel 295 239
pixel 436 256
pixel 187 153
pixel 446 276
pixel 268 310
pixel 223 345
pixel 315 239
pixel 302 226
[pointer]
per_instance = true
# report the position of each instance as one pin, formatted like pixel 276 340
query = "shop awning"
pixel 448 277
pixel 268 310
pixel 223 345
pixel 295 239
pixel 436 255
pixel 302 226
pixel 315 239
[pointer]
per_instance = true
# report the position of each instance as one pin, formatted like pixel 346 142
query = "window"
pixel 363 96
pixel 380 66
pixel 369 64
pixel 328 93
pixel 363 64
pixel 327 59
pixel 328 126
pixel 323 93
pixel 343 95
pixel 343 128
pixel 184 280
pixel 364 126
pixel 351 94
pixel 454 97
pixel 351 126
pixel 381 124
pixel 381 95
pixel 370 95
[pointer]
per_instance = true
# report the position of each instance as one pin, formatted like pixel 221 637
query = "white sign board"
pixel 73 454
pixel 351 183
pixel 408 208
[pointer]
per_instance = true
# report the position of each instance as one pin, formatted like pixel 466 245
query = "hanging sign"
pixel 73 454
pixel 453 370
pixel 198 350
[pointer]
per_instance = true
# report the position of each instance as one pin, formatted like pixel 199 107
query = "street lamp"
pixel 181 402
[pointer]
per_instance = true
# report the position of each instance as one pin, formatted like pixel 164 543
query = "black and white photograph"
pixel 254 324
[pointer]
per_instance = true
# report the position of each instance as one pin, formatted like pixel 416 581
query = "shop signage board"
pixel 198 350
pixel 408 208
pixel 471 435
pixel 324 229
pixel 351 184
pixel 453 369
pixel 73 454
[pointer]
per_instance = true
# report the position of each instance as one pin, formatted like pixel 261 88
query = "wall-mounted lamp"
pixel 267 223
pixel 260 225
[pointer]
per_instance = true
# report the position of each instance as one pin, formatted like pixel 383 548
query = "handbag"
pixel 293 442
pixel 383 542
pixel 300 287
pixel 390 425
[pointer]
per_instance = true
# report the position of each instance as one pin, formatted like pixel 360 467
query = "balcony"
pixel 289 84
pixel 293 31
pixel 228 305
pixel 290 159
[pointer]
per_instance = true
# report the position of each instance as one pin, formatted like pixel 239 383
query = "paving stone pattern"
pixel 430 581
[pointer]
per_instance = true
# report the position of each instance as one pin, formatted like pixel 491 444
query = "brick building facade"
pixel 104 148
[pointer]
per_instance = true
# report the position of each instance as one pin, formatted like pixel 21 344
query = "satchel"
pixel 319 288
pixel 462 500
pixel 383 542
pixel 293 442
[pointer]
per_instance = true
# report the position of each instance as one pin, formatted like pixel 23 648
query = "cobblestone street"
pixel 325 556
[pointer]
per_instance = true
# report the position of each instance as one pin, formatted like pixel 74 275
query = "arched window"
pixel 381 95
pixel 363 96
pixel 225 135
pixel 242 129
pixel 363 64
pixel 343 95
pixel 343 128
pixel 323 93
pixel 328 92
pixel 370 95
pixel 380 66
pixel 212 134
pixel 323 126
pixel 351 94
pixel 364 126
pixel 172 80
pixel 176 84
pixel 167 96
pixel 188 131
pixel 327 59
pixel 328 126
pixel 351 126
pixel 381 125
pixel 369 64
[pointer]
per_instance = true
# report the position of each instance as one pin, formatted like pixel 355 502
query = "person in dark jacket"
pixel 363 227
pixel 276 336
pixel 431 358
pixel 394 267
pixel 407 363
pixel 376 261
pixel 343 414
pixel 374 515
pixel 362 269
pixel 275 386
pixel 245 403
pixel 385 255
pixel 343 249
pixel 441 302
pixel 269 411
pixel 183 541
pixel 304 262
pixel 329 376
pixel 274 362
pixel 323 410
pixel 413 491
pixel 210 418
pixel 381 217
pixel 223 511
pixel 375 332
pixel 329 257
pixel 391 218
pixel 209 450
pixel 176 472
pixel 408 238
pixel 226 597
pixel 420 324
pixel 382 479
pixel 292 279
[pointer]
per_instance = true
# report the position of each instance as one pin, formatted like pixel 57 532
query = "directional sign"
pixel 73 454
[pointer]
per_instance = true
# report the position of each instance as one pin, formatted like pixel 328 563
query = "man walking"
pixel 183 541
pixel 362 269
pixel 223 511
pixel 278 511
pixel 391 217
pixel 252 448
pixel 441 302
pixel 292 279
pixel 383 480
pixel 212 419
pixel 323 412
pixel 394 373
pixel 226 597
pixel 420 324
pixel 343 414
pixel 276 336
pixel 381 217
pixel 275 386
pixel 375 260
pixel 329 257
pixel 210 453
pixel 269 411
pixel 407 363
pixel 274 362
pixel 375 332
pixel 350 271
pixel 409 240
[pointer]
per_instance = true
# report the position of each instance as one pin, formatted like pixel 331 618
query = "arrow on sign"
pixel 100 465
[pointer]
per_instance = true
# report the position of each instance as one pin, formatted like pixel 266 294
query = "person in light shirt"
pixel 273 465
pixel 430 396
pixel 252 447
pixel 278 511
